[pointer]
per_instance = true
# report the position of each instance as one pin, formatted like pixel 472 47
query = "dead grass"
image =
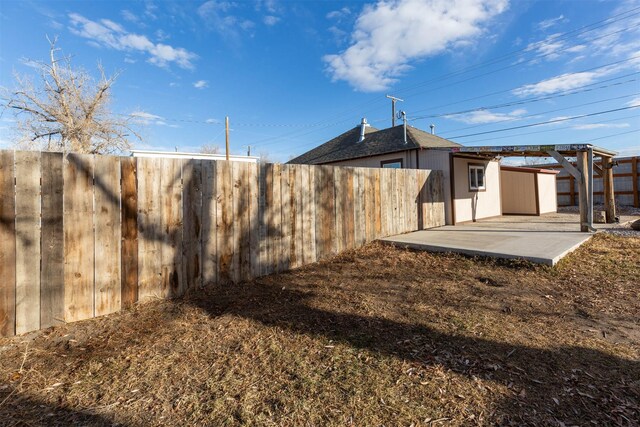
pixel 377 336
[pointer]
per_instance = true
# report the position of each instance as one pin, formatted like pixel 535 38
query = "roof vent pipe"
pixel 363 125
pixel 404 125
pixel 433 129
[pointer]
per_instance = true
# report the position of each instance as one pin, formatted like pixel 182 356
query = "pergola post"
pixel 585 201
pixel 609 192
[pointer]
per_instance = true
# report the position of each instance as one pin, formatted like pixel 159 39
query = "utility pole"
pixel 393 108
pixel 226 129
pixel 248 151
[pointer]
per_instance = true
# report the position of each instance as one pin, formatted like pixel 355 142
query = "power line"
pixel 531 100
pixel 307 125
pixel 530 48
pixel 546 130
pixel 517 64
pixel 512 89
pixel 563 119
pixel 573 33
pixel 518 118
pixel 609 136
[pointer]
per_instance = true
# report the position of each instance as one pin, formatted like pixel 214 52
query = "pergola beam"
pixel 565 164
pixel 598 169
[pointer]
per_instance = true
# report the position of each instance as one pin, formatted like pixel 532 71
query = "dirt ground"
pixel 377 336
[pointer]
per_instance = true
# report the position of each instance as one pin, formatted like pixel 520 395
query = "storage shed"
pixel 528 191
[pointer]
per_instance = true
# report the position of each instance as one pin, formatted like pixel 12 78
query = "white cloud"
pixel 144 118
pixel 211 6
pixel 112 35
pixel 270 20
pixel 217 17
pixel 127 15
pixel 619 38
pixel 552 47
pixel 391 34
pixel 339 14
pixel 143 115
pixel 270 5
pixel 590 126
pixel 486 116
pixel 112 25
pixel 213 121
pixel 548 23
pixel 559 83
pixel 201 84
pixel 634 102
pixel 576 48
pixel 338 34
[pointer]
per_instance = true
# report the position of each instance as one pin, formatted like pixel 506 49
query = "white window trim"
pixel 474 169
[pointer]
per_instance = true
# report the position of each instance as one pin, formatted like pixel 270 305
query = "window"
pixel 476 178
pixel 395 164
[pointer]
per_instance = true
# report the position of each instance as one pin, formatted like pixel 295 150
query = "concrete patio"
pixel 540 239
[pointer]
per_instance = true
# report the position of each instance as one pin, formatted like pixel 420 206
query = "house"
pixel 475 183
pixel 199 156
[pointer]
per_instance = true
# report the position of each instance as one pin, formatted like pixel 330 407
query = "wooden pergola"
pixel 582 172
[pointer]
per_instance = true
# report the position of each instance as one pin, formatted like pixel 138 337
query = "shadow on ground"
pixel 608 386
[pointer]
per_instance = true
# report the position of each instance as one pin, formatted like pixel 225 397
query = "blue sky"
pixel 293 74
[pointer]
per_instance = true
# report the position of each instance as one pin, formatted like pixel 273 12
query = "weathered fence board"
pixel 149 228
pixel 275 219
pixel 308 215
pixel 129 232
pixel 209 218
pixel 244 222
pixel 263 222
pixel 27 167
pixel 52 256
pixel 626 180
pixel 285 219
pixel 255 222
pixel 107 235
pixel 192 218
pixel 95 234
pixel 8 245
pixel 173 283
pixel 224 229
pixel 78 238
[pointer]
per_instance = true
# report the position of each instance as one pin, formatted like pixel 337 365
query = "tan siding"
pixel 474 205
pixel 547 193
pixel 408 160
pixel 518 192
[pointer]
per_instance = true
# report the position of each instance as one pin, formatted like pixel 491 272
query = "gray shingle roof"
pixel 390 140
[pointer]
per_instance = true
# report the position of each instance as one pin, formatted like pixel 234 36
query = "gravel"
pixel 623 230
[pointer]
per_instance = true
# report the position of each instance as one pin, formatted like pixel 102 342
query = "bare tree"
pixel 210 149
pixel 264 157
pixel 68 111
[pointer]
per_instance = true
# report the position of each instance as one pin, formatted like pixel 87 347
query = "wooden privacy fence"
pixel 626 181
pixel 84 236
